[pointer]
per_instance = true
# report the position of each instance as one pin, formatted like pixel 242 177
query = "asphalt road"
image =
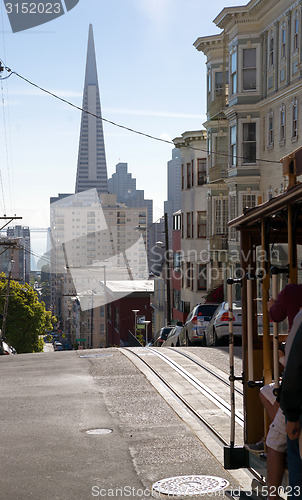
pixel 49 400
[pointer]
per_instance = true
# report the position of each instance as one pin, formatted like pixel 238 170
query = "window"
pixel 177 261
pixel 249 69
pixel 218 83
pixel 192 224
pixel 202 277
pixel 201 171
pixel 248 201
pixel 209 80
pixel 209 212
pixel 233 139
pixel 189 275
pixel 177 299
pixel 283 42
pixel 270 138
pixel 192 169
pixel 220 215
pixel 232 215
pixel 188 175
pixel 176 222
pixel 249 142
pixel 233 73
pixel 201 224
pixel 189 222
pixel 282 123
pixel 295 119
pixel 271 50
pixel 296 32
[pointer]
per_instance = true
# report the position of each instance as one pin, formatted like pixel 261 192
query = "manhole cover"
pixel 189 485
pixel 99 431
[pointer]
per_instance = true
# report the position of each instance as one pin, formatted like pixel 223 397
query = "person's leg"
pixel 276 449
pixel 275 470
pixel 270 408
pixel 294 468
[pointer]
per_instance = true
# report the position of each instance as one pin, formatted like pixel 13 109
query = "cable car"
pixel 270 252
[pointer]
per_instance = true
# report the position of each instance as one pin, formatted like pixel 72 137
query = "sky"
pixel 151 79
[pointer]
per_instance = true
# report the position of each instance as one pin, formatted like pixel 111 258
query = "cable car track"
pixel 207 369
pixel 206 392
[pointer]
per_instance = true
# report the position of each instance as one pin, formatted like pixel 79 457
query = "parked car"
pixel 6 349
pixel 162 335
pixel 58 346
pixel 218 327
pixel 196 323
pixel 173 337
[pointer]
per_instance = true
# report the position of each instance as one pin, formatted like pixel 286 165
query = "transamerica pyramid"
pixel 92 169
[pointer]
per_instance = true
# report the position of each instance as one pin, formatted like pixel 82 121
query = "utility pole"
pixel 8 219
pixel 10 269
pixel 167 258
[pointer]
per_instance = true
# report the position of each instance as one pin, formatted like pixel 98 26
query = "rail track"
pixel 198 387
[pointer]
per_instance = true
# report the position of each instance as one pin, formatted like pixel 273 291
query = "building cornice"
pixel 188 137
pixel 243 180
pixel 206 43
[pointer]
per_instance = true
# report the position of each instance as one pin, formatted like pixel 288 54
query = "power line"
pixel 122 126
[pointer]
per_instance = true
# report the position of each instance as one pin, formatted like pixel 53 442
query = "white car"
pixel 58 346
pixel 173 337
pixel 218 327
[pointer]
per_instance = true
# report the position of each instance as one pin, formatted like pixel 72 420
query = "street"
pixel 50 400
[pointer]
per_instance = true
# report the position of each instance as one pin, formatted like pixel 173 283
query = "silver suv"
pixel 196 323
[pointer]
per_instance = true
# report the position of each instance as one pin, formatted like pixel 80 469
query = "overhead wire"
pixel 129 129
pixel 6 149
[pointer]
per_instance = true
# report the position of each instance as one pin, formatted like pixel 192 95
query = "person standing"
pixel 291 405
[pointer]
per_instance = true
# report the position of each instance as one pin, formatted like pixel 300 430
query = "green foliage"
pixel 27 318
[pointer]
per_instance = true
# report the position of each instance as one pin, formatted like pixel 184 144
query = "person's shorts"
pixel 276 436
pixel 267 392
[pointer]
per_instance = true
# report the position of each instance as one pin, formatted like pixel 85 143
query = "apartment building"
pixel 254 109
pixel 193 255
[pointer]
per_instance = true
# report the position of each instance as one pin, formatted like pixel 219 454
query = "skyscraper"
pixel 124 186
pixel 92 168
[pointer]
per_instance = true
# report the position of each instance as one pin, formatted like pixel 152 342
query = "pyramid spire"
pixel 92 168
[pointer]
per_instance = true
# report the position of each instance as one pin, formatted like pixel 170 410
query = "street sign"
pixel 80 340
pixel 140 327
pixel 141 319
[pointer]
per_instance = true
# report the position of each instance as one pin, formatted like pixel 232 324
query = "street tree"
pixel 27 319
